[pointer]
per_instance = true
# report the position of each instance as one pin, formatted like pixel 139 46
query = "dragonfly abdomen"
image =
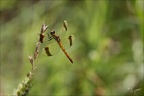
pixel 61 46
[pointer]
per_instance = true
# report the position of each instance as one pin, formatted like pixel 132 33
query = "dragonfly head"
pixel 52 32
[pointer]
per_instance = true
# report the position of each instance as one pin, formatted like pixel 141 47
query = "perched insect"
pixel 60 43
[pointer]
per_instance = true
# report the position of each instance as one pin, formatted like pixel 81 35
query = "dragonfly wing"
pixel 51 49
pixel 68 42
pixel 63 29
pixel 65 25
pixel 60 29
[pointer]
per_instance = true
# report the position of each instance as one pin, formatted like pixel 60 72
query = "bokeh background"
pixel 107 51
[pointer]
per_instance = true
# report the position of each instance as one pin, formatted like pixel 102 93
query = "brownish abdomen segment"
pixel 61 46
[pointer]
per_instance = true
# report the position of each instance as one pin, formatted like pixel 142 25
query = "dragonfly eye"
pixel 52 33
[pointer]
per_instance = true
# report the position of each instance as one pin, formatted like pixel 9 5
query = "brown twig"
pixel 25 85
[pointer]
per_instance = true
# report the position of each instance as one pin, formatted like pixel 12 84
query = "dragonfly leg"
pixel 49 37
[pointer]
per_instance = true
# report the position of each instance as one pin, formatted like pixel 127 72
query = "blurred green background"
pixel 107 51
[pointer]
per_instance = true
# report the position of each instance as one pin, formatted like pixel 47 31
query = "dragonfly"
pixel 59 42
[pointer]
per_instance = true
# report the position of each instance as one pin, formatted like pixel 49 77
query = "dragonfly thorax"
pixel 56 37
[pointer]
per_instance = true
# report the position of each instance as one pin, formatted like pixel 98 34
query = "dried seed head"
pixel 31 60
